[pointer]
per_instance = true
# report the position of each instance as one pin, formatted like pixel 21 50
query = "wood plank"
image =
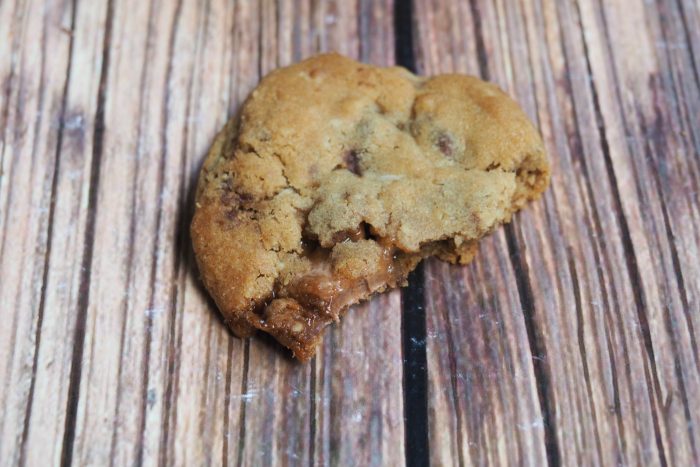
pixel 479 359
pixel 46 421
pixel 128 402
pixel 669 336
pixel 35 56
pixel 114 322
pixel 562 75
pixel 672 96
pixel 639 211
pixel 358 398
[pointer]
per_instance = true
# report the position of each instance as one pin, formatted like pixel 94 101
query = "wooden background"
pixel 572 339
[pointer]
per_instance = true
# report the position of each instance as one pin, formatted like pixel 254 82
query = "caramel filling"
pixel 302 308
pixel 328 293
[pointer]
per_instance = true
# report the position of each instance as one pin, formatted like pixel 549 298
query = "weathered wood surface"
pixel 573 337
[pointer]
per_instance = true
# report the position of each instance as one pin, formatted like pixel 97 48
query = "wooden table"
pixel 572 338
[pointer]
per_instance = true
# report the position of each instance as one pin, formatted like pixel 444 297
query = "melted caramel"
pixel 302 308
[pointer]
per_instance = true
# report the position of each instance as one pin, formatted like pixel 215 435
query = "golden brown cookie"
pixel 339 177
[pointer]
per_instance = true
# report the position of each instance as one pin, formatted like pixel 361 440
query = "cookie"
pixel 337 178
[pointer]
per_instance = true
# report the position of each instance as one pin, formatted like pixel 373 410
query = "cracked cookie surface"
pixel 338 177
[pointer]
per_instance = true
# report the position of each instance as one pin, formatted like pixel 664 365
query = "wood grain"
pixel 610 318
pixel 572 339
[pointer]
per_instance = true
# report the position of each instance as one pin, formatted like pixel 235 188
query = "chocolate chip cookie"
pixel 338 177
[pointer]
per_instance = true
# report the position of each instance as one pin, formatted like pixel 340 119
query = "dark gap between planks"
pixel 415 364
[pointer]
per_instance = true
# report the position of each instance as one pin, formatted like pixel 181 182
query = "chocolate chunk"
pixel 445 144
pixel 352 163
